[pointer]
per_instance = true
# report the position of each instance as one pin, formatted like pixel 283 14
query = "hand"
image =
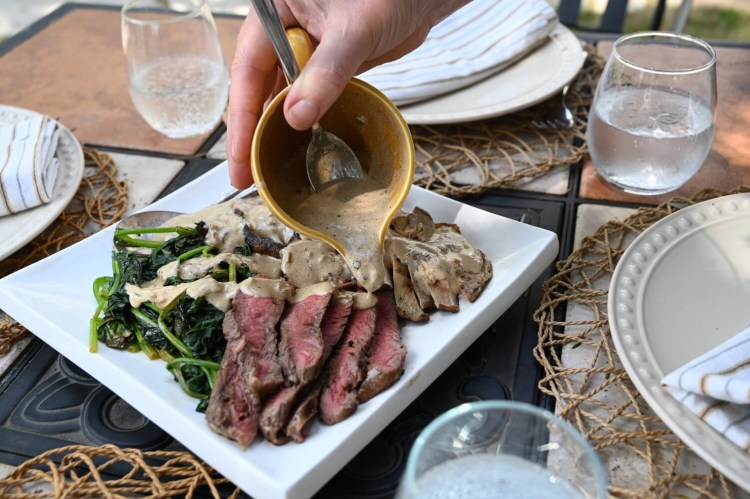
pixel 353 36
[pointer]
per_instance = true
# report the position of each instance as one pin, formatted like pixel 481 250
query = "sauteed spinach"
pixel 187 333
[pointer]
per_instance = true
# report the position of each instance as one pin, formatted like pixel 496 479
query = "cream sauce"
pixel 226 220
pixel 198 267
pixel 445 255
pixel 351 212
pixel 311 261
pixel 218 294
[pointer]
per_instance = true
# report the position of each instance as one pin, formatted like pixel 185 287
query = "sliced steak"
pixel 332 328
pixel 334 322
pixel 305 410
pixel 338 399
pixel 249 369
pixel 275 413
pixel 261 245
pixel 386 354
pixel 301 340
pixel 233 407
pixel 257 318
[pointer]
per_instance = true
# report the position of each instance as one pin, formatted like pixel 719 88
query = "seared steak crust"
pixel 232 407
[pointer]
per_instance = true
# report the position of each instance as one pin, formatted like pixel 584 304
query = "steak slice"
pixel 332 328
pixel 257 318
pixel 249 370
pixel 301 340
pixel 232 407
pixel 338 399
pixel 304 412
pixel 275 413
pixel 386 354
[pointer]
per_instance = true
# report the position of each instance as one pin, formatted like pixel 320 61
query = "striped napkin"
pixel 28 166
pixel 716 387
pixel 476 41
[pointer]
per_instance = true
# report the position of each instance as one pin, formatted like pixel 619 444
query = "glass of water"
pixel 176 73
pixel 651 124
pixel 497 448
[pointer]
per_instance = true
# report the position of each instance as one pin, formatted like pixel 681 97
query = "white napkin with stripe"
pixel 28 166
pixel 716 387
pixel 476 41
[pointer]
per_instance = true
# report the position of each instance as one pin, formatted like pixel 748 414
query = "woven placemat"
pixel 100 201
pixel 590 387
pixel 470 158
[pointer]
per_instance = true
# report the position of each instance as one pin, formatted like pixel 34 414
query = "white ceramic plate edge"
pixel 563 43
pixel 639 362
pixel 45 307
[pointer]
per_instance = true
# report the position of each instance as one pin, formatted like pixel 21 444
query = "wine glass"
pixel 176 73
pixel 500 448
pixel 651 124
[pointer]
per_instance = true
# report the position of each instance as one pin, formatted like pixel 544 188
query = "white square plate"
pixel 53 298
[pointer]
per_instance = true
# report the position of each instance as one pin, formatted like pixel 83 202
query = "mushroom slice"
pixel 406 299
pixel 471 283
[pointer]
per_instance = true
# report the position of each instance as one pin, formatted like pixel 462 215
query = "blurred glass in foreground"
pixel 492 449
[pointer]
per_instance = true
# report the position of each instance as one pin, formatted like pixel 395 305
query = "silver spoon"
pixel 328 157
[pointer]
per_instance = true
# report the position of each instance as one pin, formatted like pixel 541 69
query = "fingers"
pixel 253 74
pixel 332 65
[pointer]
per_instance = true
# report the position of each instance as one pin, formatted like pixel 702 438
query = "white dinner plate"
pixel 53 299
pixel 19 228
pixel 682 288
pixel 532 79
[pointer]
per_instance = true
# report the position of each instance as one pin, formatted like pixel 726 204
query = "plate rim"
pixel 561 35
pixel 540 247
pixel 62 194
pixel 635 354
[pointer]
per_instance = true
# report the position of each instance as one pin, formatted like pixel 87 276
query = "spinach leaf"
pixel 199 325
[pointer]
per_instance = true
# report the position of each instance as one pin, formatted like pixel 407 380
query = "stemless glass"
pixel 176 73
pixel 651 124
pixel 503 449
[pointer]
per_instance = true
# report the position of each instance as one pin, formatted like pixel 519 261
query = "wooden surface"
pixel 728 163
pixel 74 71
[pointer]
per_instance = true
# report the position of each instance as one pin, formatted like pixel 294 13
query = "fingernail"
pixel 303 114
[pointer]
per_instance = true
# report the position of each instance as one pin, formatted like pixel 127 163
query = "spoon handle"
pixel 269 17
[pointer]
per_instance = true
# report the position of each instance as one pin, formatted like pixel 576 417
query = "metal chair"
pixel 613 19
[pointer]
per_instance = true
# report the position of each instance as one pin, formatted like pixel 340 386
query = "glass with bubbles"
pixel 651 124
pixel 176 73
pixel 496 448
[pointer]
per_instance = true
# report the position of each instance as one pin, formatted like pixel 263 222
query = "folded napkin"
pixel 28 166
pixel 716 387
pixel 476 41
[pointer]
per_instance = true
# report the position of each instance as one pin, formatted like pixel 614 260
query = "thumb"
pixel 333 63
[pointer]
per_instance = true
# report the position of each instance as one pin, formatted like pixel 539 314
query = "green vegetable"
pixel 187 333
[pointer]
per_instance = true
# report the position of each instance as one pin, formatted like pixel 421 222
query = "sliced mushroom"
pixel 406 300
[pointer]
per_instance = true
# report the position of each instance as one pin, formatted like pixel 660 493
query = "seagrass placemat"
pixel 470 158
pixel 592 390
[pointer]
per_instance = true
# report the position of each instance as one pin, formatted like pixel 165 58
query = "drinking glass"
pixel 502 449
pixel 651 124
pixel 176 73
